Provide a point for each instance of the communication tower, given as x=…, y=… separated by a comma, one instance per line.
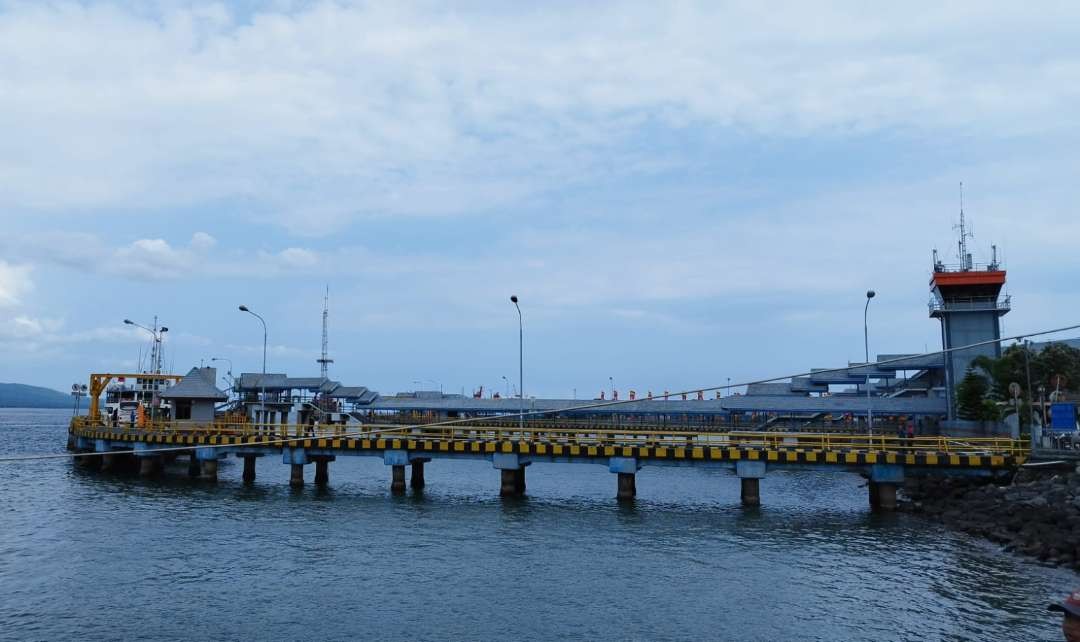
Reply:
x=325, y=359
x=966, y=297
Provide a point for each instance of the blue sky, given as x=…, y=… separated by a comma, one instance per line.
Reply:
x=679, y=194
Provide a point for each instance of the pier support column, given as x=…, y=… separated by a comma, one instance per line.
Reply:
x=397, y=478
x=884, y=480
x=193, y=467
x=627, y=486
x=322, y=472
x=296, y=476
x=511, y=473
x=626, y=468
x=149, y=466
x=249, y=469
x=208, y=462
x=508, y=482
x=209, y=469
x=750, y=475
x=109, y=462
x=416, y=479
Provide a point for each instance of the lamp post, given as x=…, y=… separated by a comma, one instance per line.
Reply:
x=521, y=364
x=507, y=386
x=611, y=382
x=866, y=345
x=155, y=357
x=262, y=379
x=158, y=334
x=229, y=372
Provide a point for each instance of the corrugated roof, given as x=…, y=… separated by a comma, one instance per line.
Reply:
x=196, y=384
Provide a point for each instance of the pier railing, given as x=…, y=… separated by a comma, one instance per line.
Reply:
x=836, y=442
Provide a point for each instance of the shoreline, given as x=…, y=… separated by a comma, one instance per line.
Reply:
x=1033, y=513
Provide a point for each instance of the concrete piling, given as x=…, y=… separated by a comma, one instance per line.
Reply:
x=109, y=462
x=149, y=466
x=508, y=482
x=209, y=469
x=397, y=481
x=322, y=472
x=296, y=476
x=750, y=474
x=416, y=479
x=627, y=486
x=884, y=480
x=249, y=469
x=751, y=491
x=883, y=496
x=194, y=469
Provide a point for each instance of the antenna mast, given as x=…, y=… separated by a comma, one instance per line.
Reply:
x=965, y=258
x=325, y=360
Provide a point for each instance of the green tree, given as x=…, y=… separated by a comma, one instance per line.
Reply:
x=970, y=395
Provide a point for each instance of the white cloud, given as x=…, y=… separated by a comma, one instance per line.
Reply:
x=14, y=282
x=334, y=111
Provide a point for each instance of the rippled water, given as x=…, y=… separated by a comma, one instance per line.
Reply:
x=96, y=556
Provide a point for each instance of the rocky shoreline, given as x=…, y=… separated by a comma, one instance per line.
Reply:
x=1034, y=512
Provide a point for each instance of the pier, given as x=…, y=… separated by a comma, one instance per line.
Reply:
x=884, y=460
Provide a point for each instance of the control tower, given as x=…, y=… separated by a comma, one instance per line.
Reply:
x=967, y=299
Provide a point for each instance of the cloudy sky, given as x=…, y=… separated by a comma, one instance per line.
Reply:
x=678, y=192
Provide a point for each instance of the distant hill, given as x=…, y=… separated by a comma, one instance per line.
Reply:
x=18, y=395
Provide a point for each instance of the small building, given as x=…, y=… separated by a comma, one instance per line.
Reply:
x=195, y=396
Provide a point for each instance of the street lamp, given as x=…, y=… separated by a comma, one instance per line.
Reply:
x=158, y=334
x=229, y=372
x=866, y=345
x=611, y=382
x=521, y=364
x=262, y=379
x=507, y=386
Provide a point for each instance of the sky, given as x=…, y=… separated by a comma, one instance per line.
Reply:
x=679, y=193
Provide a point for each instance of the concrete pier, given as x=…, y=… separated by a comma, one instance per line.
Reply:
x=509, y=481
x=249, y=469
x=750, y=474
x=397, y=481
x=416, y=479
x=209, y=469
x=149, y=466
x=884, y=480
x=322, y=472
x=193, y=467
x=626, y=468
x=109, y=462
x=751, y=491
x=296, y=476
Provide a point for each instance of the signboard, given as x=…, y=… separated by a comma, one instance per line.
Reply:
x=1062, y=417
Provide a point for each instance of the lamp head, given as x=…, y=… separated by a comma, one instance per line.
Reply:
x=513, y=299
x=129, y=322
x=164, y=329
x=244, y=308
x=870, y=294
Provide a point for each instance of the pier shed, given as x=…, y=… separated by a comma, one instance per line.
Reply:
x=195, y=396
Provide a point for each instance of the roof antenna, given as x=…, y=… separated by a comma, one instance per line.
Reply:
x=965, y=257
x=325, y=360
